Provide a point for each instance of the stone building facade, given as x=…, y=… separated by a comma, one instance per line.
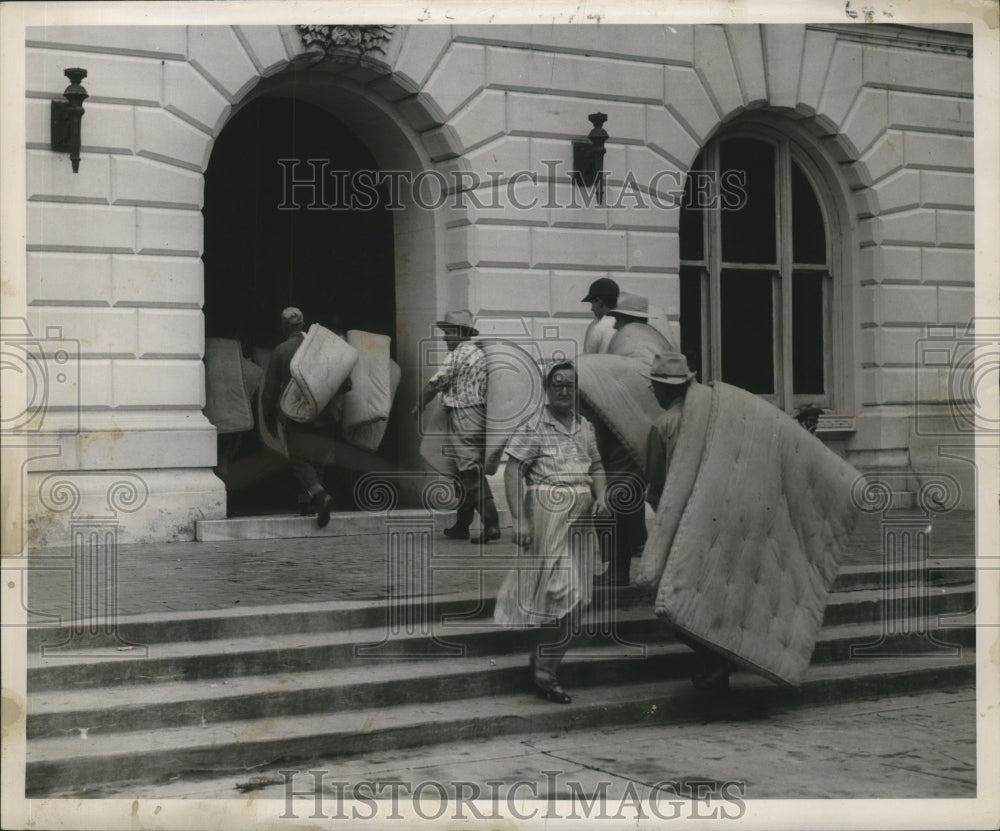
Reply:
x=876, y=120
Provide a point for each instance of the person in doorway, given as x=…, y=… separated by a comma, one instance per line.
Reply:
x=670, y=378
x=553, y=480
x=461, y=382
x=308, y=446
x=602, y=297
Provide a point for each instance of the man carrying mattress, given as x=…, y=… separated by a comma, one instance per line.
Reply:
x=670, y=378
x=633, y=338
x=753, y=514
x=461, y=381
x=301, y=448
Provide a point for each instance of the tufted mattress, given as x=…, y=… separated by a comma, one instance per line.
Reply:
x=370, y=396
x=614, y=388
x=230, y=382
x=640, y=341
x=751, y=526
x=319, y=366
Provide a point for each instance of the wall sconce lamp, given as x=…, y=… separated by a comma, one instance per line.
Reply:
x=67, y=115
x=588, y=157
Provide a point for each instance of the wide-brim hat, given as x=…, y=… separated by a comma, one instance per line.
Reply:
x=458, y=320
x=671, y=368
x=632, y=305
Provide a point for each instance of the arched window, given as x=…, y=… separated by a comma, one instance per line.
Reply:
x=758, y=269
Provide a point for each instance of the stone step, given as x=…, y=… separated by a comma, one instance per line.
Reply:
x=342, y=524
x=242, y=745
x=151, y=629
x=305, y=651
x=378, y=683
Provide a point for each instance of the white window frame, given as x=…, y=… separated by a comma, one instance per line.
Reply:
x=835, y=305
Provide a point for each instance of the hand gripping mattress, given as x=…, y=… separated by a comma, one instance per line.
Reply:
x=319, y=366
x=616, y=391
x=747, y=539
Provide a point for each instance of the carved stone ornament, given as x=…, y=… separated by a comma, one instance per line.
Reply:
x=364, y=39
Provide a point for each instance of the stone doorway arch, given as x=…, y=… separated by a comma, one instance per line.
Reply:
x=391, y=132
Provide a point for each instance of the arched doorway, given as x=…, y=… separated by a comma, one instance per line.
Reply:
x=271, y=244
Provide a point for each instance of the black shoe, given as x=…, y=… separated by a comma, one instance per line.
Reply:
x=551, y=692
x=457, y=532
x=490, y=535
x=323, y=510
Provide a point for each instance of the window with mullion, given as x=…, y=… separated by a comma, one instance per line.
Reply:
x=755, y=278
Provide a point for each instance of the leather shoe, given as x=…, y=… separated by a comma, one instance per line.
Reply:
x=457, y=532
x=551, y=692
x=323, y=510
x=548, y=690
x=489, y=535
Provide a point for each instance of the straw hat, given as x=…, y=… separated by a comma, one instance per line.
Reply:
x=671, y=368
x=458, y=320
x=632, y=305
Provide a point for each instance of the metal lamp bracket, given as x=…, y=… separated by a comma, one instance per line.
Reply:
x=588, y=157
x=66, y=116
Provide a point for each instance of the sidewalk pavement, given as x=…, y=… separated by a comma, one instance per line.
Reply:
x=912, y=746
x=203, y=576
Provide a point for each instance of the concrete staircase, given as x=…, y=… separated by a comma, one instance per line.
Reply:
x=235, y=691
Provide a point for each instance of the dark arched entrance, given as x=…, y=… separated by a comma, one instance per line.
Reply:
x=267, y=247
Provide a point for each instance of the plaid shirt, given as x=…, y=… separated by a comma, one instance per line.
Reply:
x=462, y=377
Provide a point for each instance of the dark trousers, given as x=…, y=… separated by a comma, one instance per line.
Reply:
x=309, y=452
x=626, y=499
x=475, y=494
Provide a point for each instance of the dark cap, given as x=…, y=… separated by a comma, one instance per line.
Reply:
x=603, y=289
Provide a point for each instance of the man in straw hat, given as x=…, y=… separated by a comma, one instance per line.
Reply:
x=670, y=378
x=634, y=336
x=461, y=381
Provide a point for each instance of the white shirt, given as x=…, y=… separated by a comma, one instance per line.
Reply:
x=599, y=334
